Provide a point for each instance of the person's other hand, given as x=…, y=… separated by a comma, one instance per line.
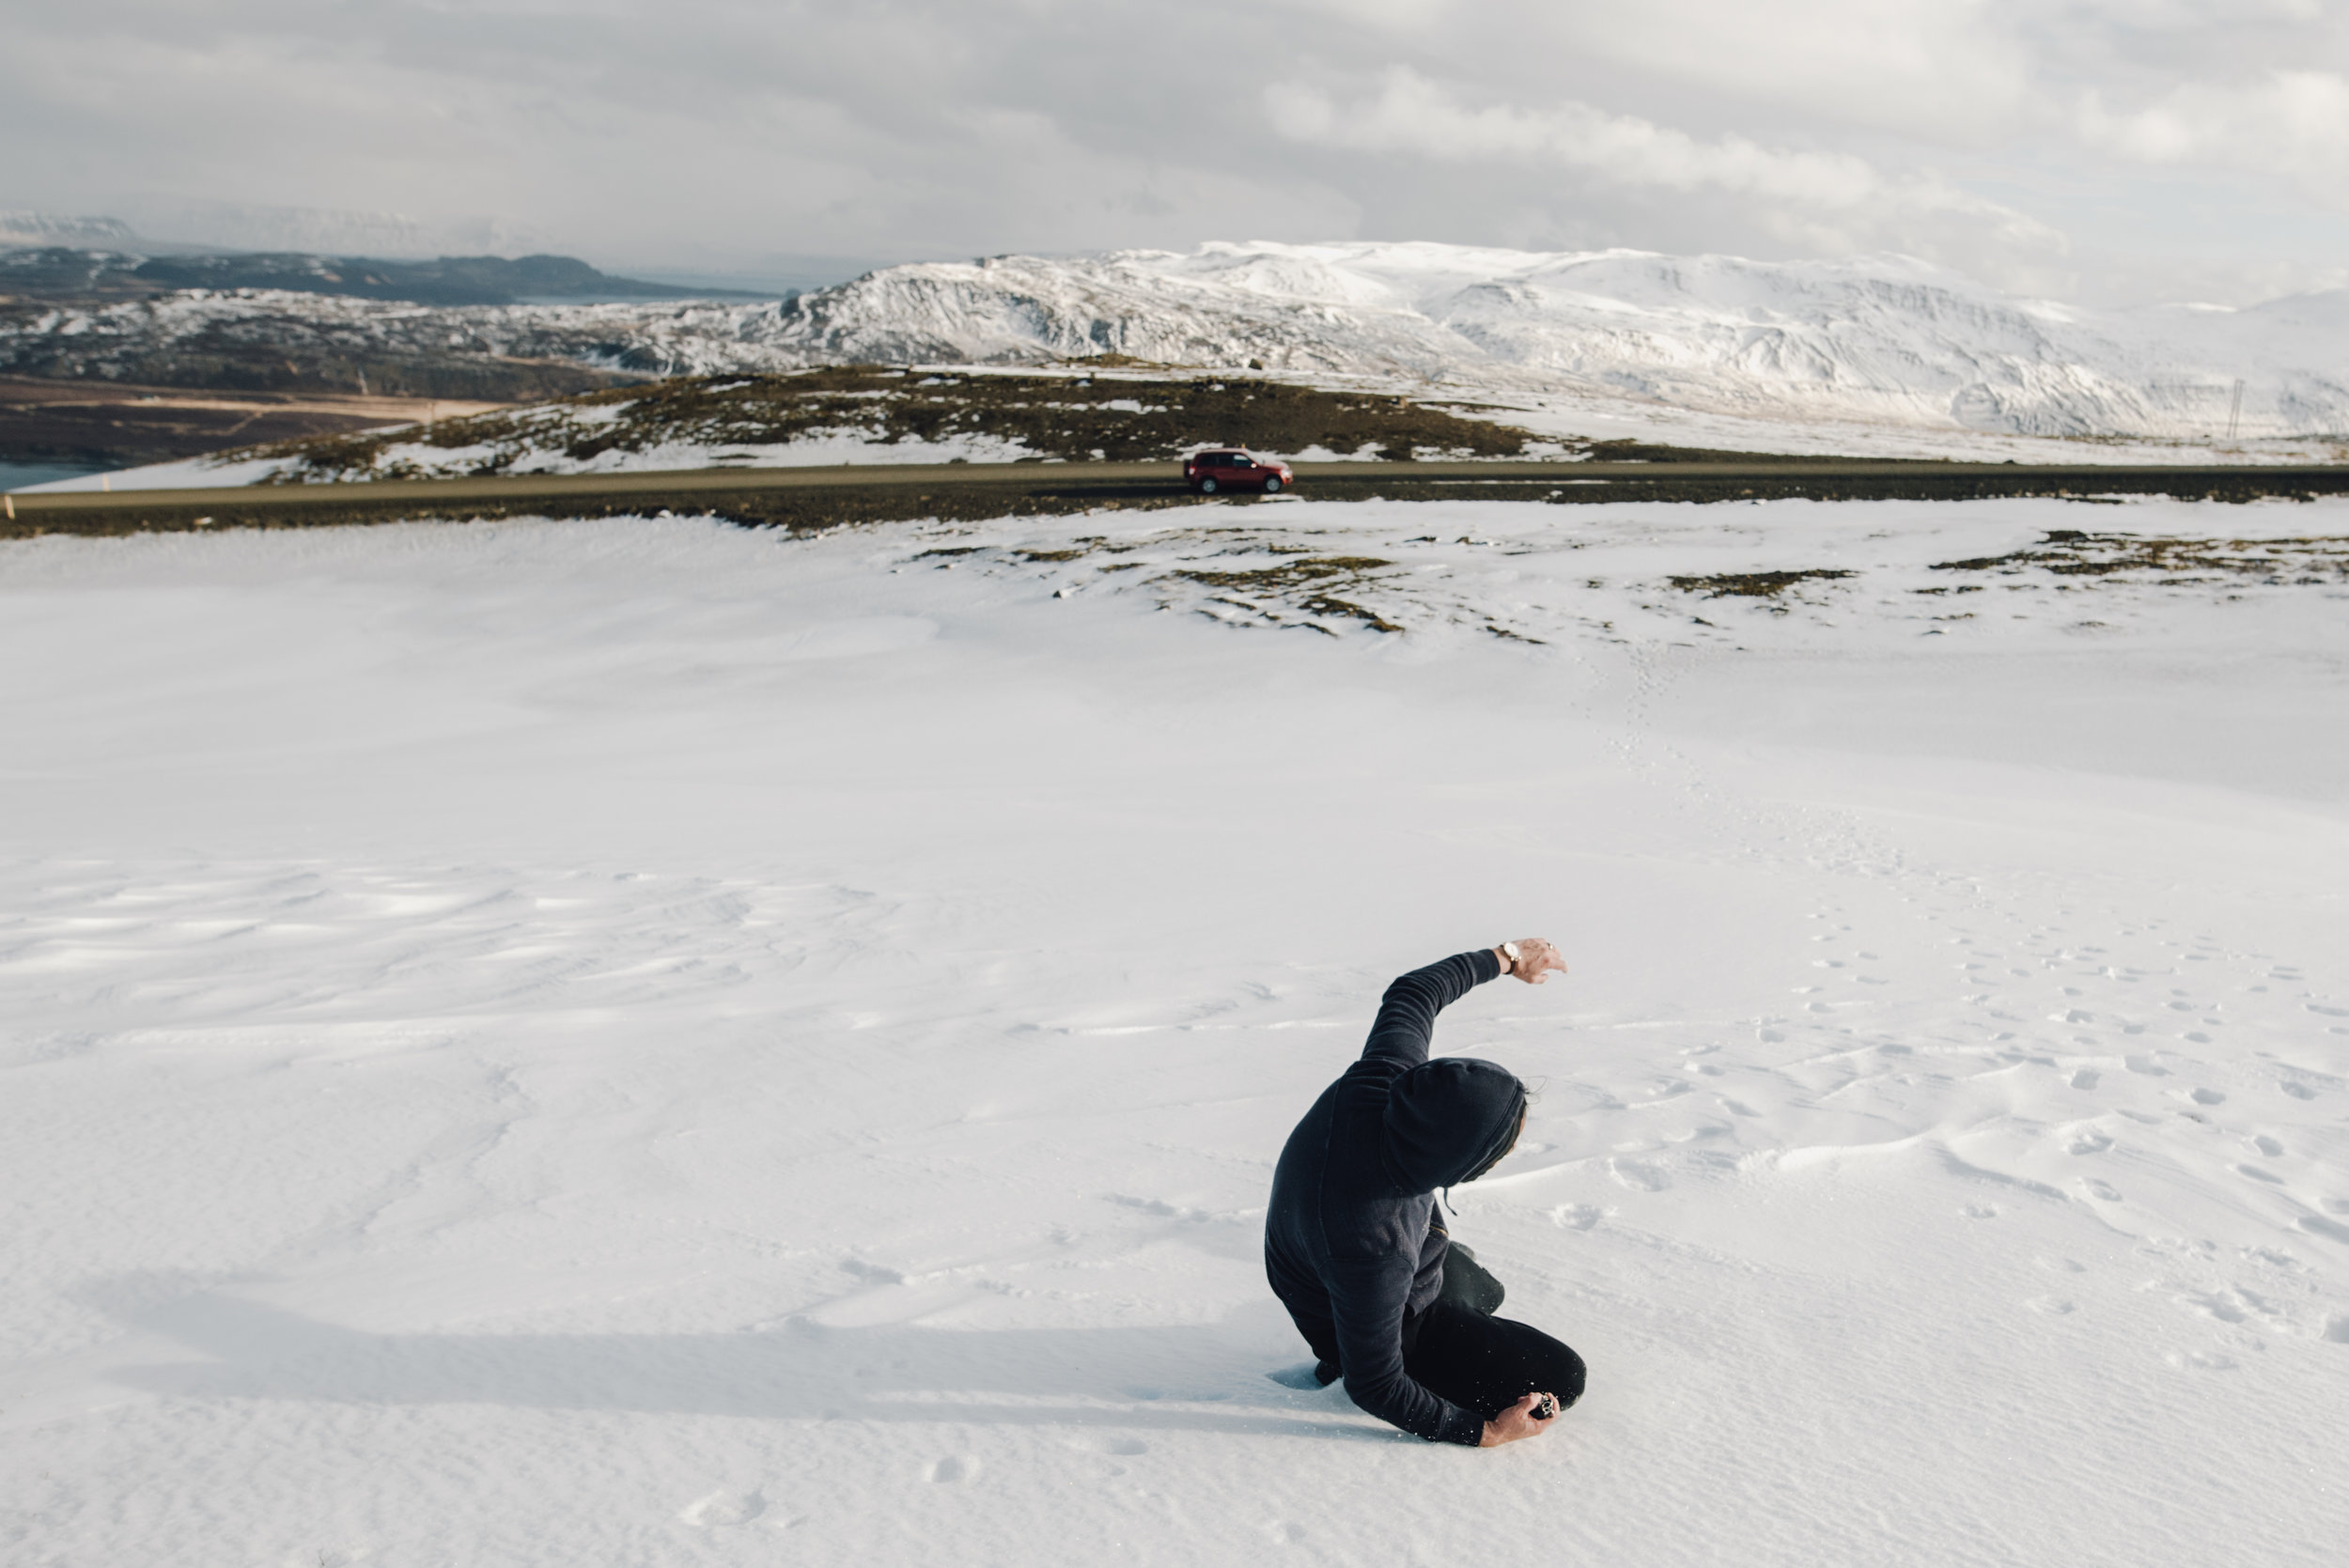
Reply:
x=1535, y=959
x=1517, y=1422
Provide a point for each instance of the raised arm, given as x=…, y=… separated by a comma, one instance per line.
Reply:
x=1407, y=1014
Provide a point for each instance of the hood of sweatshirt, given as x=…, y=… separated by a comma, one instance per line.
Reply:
x=1447, y=1118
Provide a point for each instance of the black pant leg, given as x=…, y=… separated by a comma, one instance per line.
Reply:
x=1488, y=1363
x=1470, y=1283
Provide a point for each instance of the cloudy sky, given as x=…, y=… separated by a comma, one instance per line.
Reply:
x=2101, y=150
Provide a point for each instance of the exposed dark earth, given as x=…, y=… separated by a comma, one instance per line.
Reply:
x=109, y=425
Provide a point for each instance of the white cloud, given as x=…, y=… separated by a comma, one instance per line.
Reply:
x=2179, y=133
x=1411, y=114
x=1838, y=201
x=1946, y=68
x=2296, y=122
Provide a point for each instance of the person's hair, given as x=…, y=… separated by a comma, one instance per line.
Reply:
x=1524, y=1104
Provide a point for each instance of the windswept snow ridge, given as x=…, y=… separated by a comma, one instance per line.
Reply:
x=1886, y=341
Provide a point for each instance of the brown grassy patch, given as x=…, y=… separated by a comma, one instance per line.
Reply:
x=1072, y=418
x=1315, y=575
x=1751, y=584
x=1288, y=574
x=2074, y=552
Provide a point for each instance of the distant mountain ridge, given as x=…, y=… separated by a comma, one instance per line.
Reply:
x=448, y=280
x=1885, y=341
x=1879, y=340
x=59, y=228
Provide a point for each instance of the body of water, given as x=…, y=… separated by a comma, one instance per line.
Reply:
x=15, y=476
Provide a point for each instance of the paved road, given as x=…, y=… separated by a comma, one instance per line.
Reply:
x=893, y=487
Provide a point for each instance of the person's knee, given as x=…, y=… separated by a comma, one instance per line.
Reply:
x=1568, y=1377
x=1469, y=1285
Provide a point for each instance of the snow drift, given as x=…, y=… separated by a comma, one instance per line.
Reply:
x=642, y=1042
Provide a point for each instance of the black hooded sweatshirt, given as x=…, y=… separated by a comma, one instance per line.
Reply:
x=1352, y=1244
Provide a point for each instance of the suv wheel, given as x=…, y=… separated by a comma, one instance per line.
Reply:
x=1272, y=484
x=1208, y=487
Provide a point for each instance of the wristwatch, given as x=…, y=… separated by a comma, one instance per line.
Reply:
x=1509, y=954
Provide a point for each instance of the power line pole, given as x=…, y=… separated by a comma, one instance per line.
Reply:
x=2235, y=410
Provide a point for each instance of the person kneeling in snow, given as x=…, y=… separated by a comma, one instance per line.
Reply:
x=1357, y=1250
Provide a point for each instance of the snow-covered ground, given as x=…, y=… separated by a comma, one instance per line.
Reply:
x=421, y=460
x=640, y=1042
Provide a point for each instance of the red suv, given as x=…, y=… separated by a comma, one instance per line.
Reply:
x=1231, y=468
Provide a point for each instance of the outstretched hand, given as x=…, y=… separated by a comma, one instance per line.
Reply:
x=1519, y=1419
x=1535, y=959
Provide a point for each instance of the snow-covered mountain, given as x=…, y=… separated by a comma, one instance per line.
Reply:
x=1883, y=341
x=18, y=227
x=1888, y=340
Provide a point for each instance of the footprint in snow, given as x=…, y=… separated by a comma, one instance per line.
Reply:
x=2217, y=1307
x=1643, y=1178
x=2103, y=1189
x=2054, y=1306
x=2086, y=1077
x=723, y=1507
x=953, y=1471
x=2088, y=1143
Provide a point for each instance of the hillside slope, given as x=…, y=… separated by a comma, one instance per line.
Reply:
x=1886, y=341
